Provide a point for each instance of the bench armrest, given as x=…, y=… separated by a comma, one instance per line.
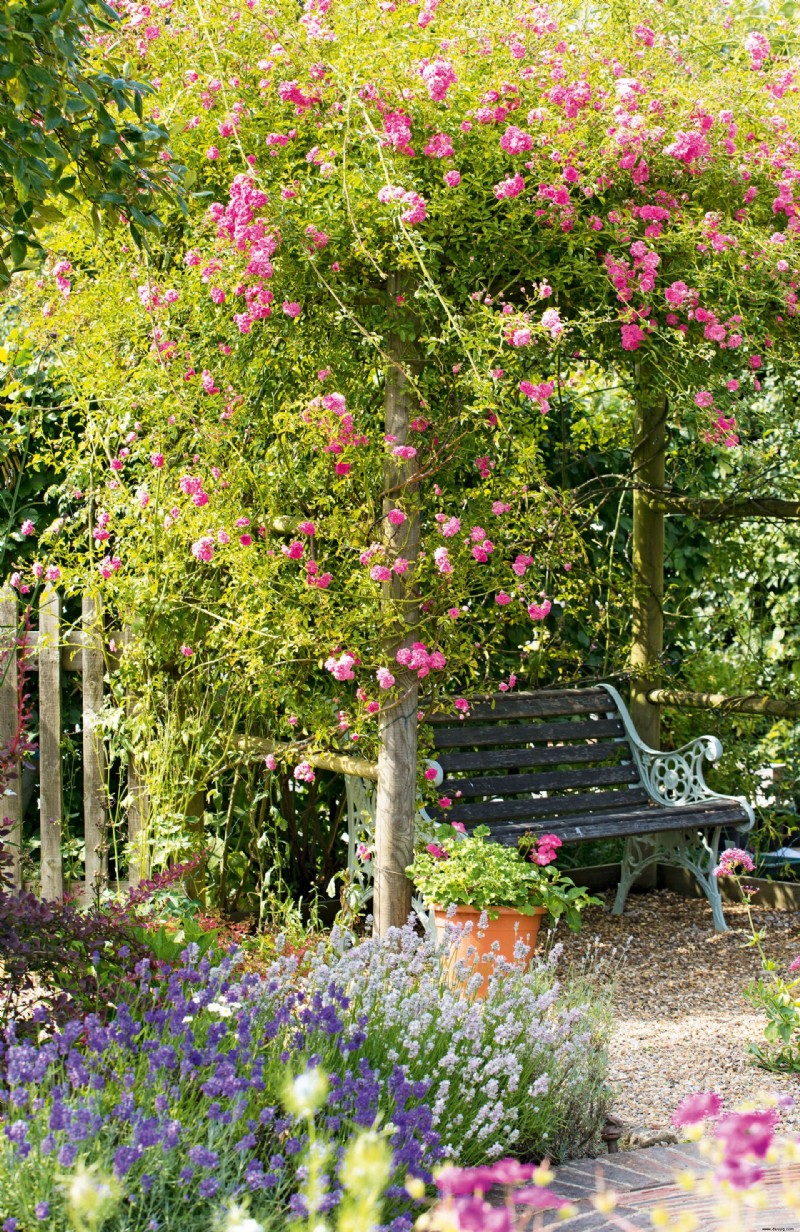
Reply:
x=674, y=778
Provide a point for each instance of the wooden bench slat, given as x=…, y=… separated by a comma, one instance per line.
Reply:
x=550, y=755
x=500, y=734
x=514, y=784
x=534, y=705
x=620, y=825
x=554, y=808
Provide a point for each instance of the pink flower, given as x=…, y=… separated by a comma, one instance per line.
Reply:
x=396, y=517
x=342, y=668
x=157, y=460
x=442, y=559
x=794, y=965
x=696, y=1108
x=430, y=775
x=450, y=527
x=295, y=549
x=759, y=47
x=459, y=826
x=688, y=147
x=676, y=294
x=703, y=398
x=343, y=468
x=307, y=528
x=438, y=76
x=27, y=527
x=538, y=611
x=755, y=362
x=462, y=705
x=203, y=549
x=632, y=337
x=732, y=859
x=452, y=178
x=509, y=188
x=186, y=651
x=453, y=613
x=291, y=308
x=502, y=598
x=439, y=146
x=303, y=772
x=436, y=851
x=245, y=540
x=405, y=452
x=270, y=762
x=516, y=141
x=52, y=573
x=363, y=852
x=552, y=321
x=212, y=153
x=380, y=573
x=384, y=678
x=417, y=210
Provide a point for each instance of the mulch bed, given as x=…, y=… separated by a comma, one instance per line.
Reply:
x=681, y=1021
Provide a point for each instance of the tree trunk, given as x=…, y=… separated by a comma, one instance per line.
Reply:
x=397, y=755
x=647, y=617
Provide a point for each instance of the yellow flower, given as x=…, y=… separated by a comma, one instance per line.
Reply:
x=605, y=1201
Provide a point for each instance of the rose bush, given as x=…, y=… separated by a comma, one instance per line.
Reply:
x=496, y=209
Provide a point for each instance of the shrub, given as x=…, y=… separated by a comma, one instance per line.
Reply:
x=58, y=962
x=178, y=1097
x=521, y=1072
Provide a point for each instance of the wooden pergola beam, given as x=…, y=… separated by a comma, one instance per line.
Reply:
x=707, y=509
x=752, y=704
x=254, y=747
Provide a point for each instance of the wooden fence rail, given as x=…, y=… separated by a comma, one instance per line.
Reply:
x=49, y=651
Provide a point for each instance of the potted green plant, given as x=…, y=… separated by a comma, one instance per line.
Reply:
x=463, y=876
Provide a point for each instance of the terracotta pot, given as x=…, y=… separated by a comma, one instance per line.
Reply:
x=474, y=948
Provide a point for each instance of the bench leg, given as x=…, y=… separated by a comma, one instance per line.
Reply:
x=638, y=854
x=698, y=852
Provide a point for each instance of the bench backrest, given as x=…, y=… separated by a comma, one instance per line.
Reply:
x=519, y=762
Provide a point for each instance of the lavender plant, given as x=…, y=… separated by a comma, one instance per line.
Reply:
x=521, y=1072
x=178, y=1097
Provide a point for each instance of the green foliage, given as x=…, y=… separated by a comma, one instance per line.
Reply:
x=779, y=1000
x=470, y=871
x=167, y=943
x=66, y=135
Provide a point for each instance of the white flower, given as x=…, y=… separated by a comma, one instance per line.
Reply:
x=238, y=1220
x=307, y=1093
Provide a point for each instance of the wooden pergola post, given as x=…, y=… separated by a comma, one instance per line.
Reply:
x=647, y=617
x=397, y=755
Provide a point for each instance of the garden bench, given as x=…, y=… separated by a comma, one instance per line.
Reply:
x=569, y=762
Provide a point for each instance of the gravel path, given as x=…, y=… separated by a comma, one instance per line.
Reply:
x=681, y=1023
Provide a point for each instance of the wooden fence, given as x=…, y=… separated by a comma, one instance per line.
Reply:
x=49, y=651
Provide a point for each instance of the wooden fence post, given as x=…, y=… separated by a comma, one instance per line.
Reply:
x=11, y=801
x=50, y=792
x=95, y=811
x=138, y=863
x=396, y=804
